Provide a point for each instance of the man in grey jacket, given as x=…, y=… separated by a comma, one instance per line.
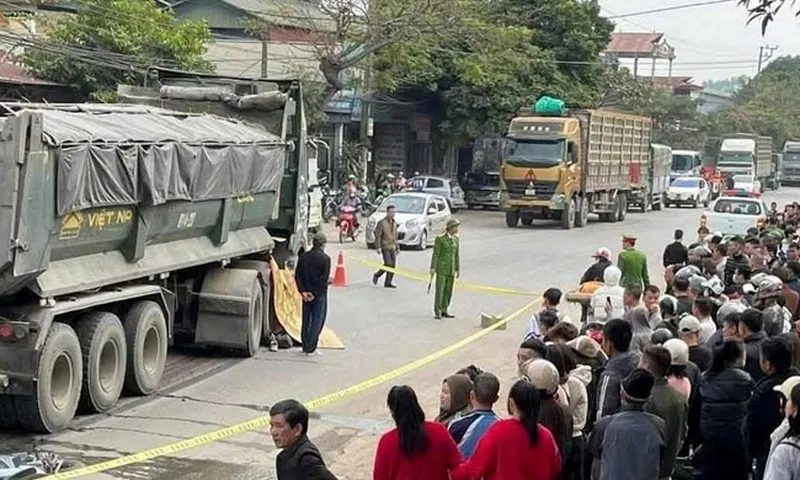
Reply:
x=617, y=336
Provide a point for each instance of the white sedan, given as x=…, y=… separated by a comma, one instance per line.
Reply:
x=687, y=191
x=734, y=215
x=420, y=218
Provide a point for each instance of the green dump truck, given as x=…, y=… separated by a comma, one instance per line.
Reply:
x=131, y=227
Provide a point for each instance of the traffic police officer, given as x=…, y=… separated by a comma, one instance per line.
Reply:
x=633, y=265
x=445, y=264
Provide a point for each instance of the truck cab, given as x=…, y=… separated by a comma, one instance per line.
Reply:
x=790, y=172
x=685, y=163
x=540, y=172
x=737, y=156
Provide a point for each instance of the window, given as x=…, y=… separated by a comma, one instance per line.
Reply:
x=434, y=183
x=738, y=207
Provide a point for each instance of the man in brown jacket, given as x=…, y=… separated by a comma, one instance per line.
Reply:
x=386, y=242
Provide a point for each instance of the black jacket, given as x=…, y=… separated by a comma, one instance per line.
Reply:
x=596, y=271
x=724, y=396
x=675, y=254
x=302, y=461
x=765, y=414
x=313, y=270
x=752, y=346
x=608, y=388
x=732, y=264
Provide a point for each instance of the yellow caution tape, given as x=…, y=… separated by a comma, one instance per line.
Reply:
x=402, y=272
x=315, y=404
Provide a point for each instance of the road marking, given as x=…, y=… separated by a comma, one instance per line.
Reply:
x=315, y=404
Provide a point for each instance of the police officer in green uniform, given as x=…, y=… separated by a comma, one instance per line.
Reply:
x=445, y=264
x=633, y=265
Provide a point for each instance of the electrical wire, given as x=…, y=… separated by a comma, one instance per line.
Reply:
x=671, y=8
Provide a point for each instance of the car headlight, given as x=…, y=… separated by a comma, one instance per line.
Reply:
x=413, y=223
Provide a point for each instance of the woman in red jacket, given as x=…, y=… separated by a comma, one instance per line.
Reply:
x=416, y=449
x=515, y=449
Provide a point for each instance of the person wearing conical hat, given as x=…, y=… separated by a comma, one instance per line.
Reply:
x=633, y=265
x=446, y=265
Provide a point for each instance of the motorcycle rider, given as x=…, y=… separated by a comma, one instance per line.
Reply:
x=352, y=185
x=352, y=200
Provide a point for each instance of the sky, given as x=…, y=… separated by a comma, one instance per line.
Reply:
x=711, y=41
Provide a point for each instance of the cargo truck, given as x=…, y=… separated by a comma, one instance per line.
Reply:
x=685, y=163
x=746, y=154
x=129, y=228
x=657, y=175
x=791, y=163
x=566, y=167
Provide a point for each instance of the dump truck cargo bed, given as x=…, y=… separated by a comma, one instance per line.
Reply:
x=102, y=195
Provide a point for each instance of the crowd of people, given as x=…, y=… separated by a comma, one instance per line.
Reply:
x=696, y=379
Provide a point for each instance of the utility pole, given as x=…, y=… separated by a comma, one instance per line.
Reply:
x=764, y=54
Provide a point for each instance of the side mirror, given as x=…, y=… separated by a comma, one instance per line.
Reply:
x=573, y=157
x=432, y=210
x=323, y=177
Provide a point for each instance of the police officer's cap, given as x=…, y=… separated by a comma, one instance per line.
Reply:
x=452, y=223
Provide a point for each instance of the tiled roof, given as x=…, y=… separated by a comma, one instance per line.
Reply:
x=13, y=73
x=287, y=13
x=634, y=43
x=683, y=83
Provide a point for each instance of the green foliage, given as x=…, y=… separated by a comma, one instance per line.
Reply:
x=350, y=163
x=767, y=105
x=728, y=85
x=497, y=58
x=109, y=42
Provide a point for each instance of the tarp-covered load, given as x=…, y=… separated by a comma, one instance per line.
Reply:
x=108, y=158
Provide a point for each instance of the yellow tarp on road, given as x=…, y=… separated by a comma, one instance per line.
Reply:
x=289, y=308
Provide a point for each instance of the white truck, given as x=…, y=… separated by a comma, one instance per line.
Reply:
x=746, y=154
x=790, y=172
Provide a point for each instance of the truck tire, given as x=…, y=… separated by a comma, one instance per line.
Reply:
x=658, y=204
x=568, y=215
x=623, y=207
x=512, y=218
x=582, y=216
x=256, y=322
x=265, y=272
x=146, y=341
x=104, y=351
x=613, y=216
x=58, y=388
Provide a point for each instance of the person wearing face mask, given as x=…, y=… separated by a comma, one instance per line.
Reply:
x=784, y=461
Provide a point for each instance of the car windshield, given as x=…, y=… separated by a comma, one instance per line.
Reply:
x=682, y=163
x=792, y=157
x=737, y=207
x=538, y=153
x=685, y=182
x=404, y=204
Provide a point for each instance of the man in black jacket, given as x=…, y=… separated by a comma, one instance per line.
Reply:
x=676, y=252
x=764, y=412
x=299, y=459
x=313, y=270
x=736, y=259
x=595, y=273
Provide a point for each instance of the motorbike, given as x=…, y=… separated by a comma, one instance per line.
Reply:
x=330, y=204
x=347, y=223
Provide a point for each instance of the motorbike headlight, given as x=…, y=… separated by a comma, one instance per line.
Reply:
x=413, y=223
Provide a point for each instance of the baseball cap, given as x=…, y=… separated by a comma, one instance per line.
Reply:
x=787, y=386
x=689, y=324
x=678, y=351
x=602, y=252
x=544, y=375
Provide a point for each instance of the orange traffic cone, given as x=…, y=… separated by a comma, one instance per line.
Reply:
x=340, y=275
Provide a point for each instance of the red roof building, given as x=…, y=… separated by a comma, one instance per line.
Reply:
x=637, y=46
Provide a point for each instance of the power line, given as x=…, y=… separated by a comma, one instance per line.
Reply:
x=671, y=8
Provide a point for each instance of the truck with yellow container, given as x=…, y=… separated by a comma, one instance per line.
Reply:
x=566, y=165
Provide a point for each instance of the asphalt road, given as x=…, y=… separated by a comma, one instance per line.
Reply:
x=382, y=329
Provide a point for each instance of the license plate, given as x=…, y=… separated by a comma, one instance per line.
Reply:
x=530, y=191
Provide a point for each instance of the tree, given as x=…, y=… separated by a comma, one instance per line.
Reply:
x=109, y=42
x=348, y=32
x=767, y=105
x=765, y=10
